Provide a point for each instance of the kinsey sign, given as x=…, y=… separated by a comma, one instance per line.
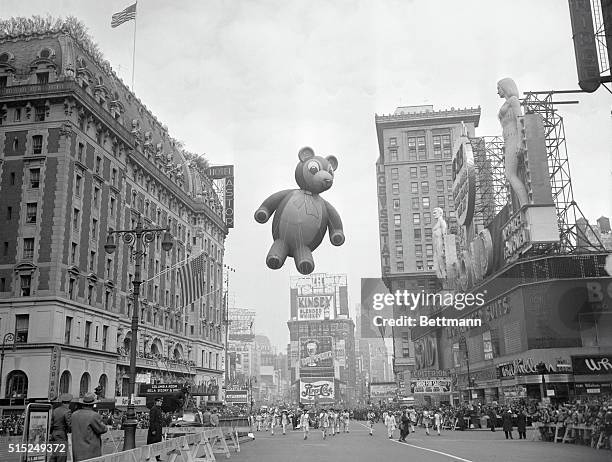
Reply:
x=314, y=307
x=592, y=364
x=316, y=390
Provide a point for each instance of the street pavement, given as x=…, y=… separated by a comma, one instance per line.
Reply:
x=461, y=446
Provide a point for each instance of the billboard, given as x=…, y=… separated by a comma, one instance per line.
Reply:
x=383, y=390
x=317, y=391
x=161, y=389
x=226, y=173
x=430, y=386
x=237, y=396
x=314, y=307
x=316, y=352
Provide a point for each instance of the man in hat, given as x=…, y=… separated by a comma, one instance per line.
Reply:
x=87, y=426
x=60, y=427
x=156, y=423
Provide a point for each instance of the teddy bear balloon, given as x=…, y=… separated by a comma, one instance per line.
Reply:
x=302, y=216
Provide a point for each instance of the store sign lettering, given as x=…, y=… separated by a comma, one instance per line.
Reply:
x=592, y=364
x=312, y=390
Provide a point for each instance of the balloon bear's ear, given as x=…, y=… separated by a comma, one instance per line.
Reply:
x=305, y=154
x=333, y=162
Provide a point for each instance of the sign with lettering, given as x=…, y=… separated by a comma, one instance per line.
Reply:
x=229, y=202
x=430, y=386
x=220, y=171
x=161, y=389
x=383, y=219
x=592, y=364
x=314, y=307
x=237, y=396
x=125, y=400
x=54, y=370
x=593, y=388
x=317, y=390
x=383, y=390
x=464, y=182
x=426, y=374
x=316, y=352
x=529, y=366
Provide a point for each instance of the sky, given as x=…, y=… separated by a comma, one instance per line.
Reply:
x=249, y=83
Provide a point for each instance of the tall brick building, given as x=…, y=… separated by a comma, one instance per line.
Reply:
x=79, y=155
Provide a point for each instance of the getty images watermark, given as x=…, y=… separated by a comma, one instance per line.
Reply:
x=381, y=309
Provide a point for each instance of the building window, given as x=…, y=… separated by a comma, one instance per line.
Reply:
x=417, y=234
x=42, y=77
x=2, y=284
x=437, y=147
x=398, y=235
x=68, y=330
x=34, y=178
x=439, y=170
x=399, y=250
x=393, y=153
x=112, y=207
x=430, y=265
x=73, y=253
x=418, y=250
x=90, y=294
x=92, y=260
x=17, y=115
x=84, y=384
x=429, y=249
x=416, y=218
x=440, y=201
x=415, y=203
x=396, y=204
x=3, y=81
x=449, y=169
x=64, y=383
x=104, y=337
x=22, y=325
x=87, y=333
x=393, y=141
x=419, y=265
x=6, y=248
x=71, y=288
x=428, y=233
x=25, y=282
x=17, y=385
x=414, y=188
x=98, y=164
x=75, y=219
x=449, y=184
x=440, y=185
x=397, y=219
x=400, y=266
x=31, y=212
x=37, y=142
x=425, y=201
x=395, y=174
x=39, y=113
x=425, y=187
x=406, y=344
x=80, y=151
x=114, y=177
x=94, y=229
x=414, y=172
x=28, y=248
x=395, y=188
x=78, y=181
x=96, y=196
x=424, y=171
x=427, y=218
x=109, y=268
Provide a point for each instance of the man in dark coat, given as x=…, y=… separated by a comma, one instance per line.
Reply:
x=404, y=426
x=521, y=424
x=507, y=423
x=87, y=426
x=156, y=422
x=492, y=419
x=60, y=427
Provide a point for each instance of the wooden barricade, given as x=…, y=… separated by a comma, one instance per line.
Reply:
x=217, y=441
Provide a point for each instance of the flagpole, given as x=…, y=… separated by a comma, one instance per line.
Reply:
x=134, y=48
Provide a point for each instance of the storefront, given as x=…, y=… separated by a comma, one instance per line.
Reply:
x=592, y=375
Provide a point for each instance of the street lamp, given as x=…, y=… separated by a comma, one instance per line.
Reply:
x=143, y=237
x=10, y=337
x=467, y=362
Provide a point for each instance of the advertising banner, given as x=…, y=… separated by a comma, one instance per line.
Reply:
x=161, y=389
x=430, y=386
x=426, y=352
x=314, y=307
x=36, y=432
x=341, y=353
x=237, y=396
x=592, y=364
x=383, y=390
x=56, y=356
x=316, y=352
x=125, y=400
x=317, y=391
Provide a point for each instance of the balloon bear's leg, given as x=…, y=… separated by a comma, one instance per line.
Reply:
x=303, y=260
x=277, y=254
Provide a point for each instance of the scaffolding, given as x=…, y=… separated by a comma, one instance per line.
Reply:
x=494, y=189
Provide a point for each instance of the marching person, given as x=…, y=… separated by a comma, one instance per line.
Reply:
x=346, y=417
x=87, y=428
x=371, y=417
x=284, y=422
x=413, y=419
x=438, y=421
x=404, y=426
x=389, y=420
x=324, y=422
x=305, y=423
x=60, y=427
x=258, y=419
x=426, y=420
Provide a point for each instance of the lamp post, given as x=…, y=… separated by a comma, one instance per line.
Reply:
x=10, y=337
x=541, y=368
x=143, y=237
x=467, y=362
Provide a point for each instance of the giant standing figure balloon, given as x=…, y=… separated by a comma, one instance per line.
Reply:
x=302, y=216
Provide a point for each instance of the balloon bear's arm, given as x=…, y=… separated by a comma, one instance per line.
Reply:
x=334, y=224
x=269, y=206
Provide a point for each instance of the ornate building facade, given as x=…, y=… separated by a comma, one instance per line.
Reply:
x=79, y=155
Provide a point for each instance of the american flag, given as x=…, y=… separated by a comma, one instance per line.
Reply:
x=126, y=15
x=192, y=279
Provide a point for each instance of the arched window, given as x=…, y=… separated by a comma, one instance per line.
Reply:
x=17, y=385
x=103, y=383
x=65, y=380
x=84, y=385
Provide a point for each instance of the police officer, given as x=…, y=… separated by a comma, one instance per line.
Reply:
x=60, y=427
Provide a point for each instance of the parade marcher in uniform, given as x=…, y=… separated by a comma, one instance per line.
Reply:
x=507, y=423
x=305, y=423
x=389, y=420
x=324, y=423
x=426, y=420
x=258, y=419
x=87, y=426
x=413, y=419
x=404, y=426
x=346, y=418
x=438, y=421
x=60, y=427
x=371, y=417
x=284, y=421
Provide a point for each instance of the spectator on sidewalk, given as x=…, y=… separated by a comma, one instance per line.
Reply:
x=87, y=428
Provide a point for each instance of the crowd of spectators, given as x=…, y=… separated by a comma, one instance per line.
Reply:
x=12, y=425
